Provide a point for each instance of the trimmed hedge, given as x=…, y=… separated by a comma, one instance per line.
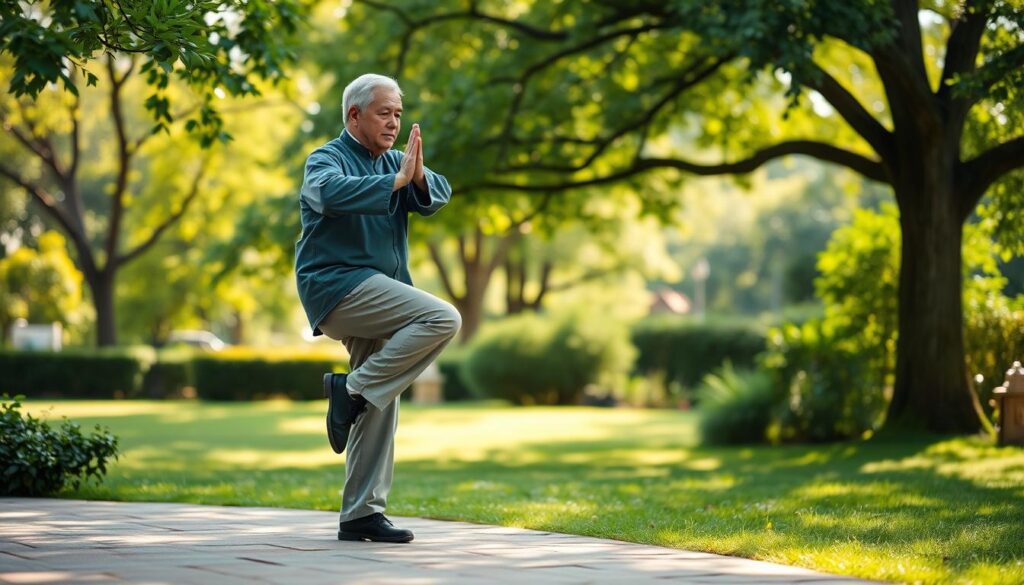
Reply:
x=236, y=374
x=167, y=377
x=686, y=350
x=72, y=373
x=249, y=378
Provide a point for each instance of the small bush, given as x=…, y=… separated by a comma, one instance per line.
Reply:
x=686, y=350
x=450, y=364
x=830, y=386
x=249, y=375
x=37, y=460
x=540, y=359
x=993, y=339
x=113, y=373
x=735, y=406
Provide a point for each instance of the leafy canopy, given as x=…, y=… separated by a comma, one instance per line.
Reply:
x=214, y=45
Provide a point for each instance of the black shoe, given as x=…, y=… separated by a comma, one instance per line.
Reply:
x=342, y=410
x=375, y=528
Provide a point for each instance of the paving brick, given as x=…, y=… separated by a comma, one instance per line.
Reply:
x=73, y=541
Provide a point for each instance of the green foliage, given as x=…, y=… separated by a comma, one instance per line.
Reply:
x=213, y=45
x=72, y=373
x=543, y=359
x=37, y=460
x=168, y=376
x=861, y=312
x=735, y=406
x=252, y=375
x=993, y=340
x=235, y=374
x=829, y=389
x=686, y=350
x=451, y=364
x=41, y=285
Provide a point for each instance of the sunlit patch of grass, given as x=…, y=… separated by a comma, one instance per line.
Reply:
x=920, y=509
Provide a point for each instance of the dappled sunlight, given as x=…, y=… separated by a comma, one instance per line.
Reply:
x=450, y=434
x=618, y=473
x=269, y=459
x=866, y=491
x=311, y=425
x=55, y=409
x=967, y=459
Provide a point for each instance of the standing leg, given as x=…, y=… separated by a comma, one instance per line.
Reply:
x=371, y=447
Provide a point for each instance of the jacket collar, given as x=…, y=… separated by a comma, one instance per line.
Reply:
x=354, y=145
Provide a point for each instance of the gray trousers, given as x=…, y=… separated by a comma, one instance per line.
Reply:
x=392, y=332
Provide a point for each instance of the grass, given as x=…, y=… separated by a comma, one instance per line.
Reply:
x=921, y=509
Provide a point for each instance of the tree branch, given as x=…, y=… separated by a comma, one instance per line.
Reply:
x=155, y=235
x=980, y=172
x=76, y=149
x=688, y=78
x=872, y=169
x=909, y=36
x=545, y=285
x=962, y=47
x=124, y=164
x=501, y=252
x=519, y=85
x=442, y=270
x=472, y=14
x=38, y=145
x=853, y=112
x=587, y=276
x=47, y=201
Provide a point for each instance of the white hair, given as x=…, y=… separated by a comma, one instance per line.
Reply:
x=359, y=93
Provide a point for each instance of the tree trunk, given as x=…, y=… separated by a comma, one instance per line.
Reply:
x=471, y=308
x=931, y=385
x=102, y=286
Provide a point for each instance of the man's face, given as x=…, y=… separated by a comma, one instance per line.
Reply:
x=377, y=126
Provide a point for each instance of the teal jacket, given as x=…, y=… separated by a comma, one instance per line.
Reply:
x=353, y=224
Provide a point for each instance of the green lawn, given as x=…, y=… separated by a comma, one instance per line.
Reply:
x=922, y=509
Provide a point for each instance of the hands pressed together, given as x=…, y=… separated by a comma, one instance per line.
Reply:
x=411, y=170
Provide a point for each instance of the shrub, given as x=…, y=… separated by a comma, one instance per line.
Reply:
x=993, y=339
x=686, y=350
x=540, y=359
x=247, y=375
x=451, y=364
x=735, y=406
x=113, y=373
x=37, y=460
x=830, y=388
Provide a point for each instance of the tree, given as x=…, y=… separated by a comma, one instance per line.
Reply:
x=923, y=97
x=208, y=46
x=40, y=285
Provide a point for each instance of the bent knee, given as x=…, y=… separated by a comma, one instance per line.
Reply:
x=453, y=319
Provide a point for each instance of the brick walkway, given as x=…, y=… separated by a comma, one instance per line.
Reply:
x=73, y=541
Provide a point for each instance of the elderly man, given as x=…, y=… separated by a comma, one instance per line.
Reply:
x=351, y=266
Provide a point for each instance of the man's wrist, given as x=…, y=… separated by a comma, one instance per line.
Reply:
x=421, y=182
x=400, y=181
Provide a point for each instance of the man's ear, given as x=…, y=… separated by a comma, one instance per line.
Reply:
x=353, y=114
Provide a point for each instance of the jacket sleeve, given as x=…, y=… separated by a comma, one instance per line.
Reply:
x=428, y=202
x=331, y=192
